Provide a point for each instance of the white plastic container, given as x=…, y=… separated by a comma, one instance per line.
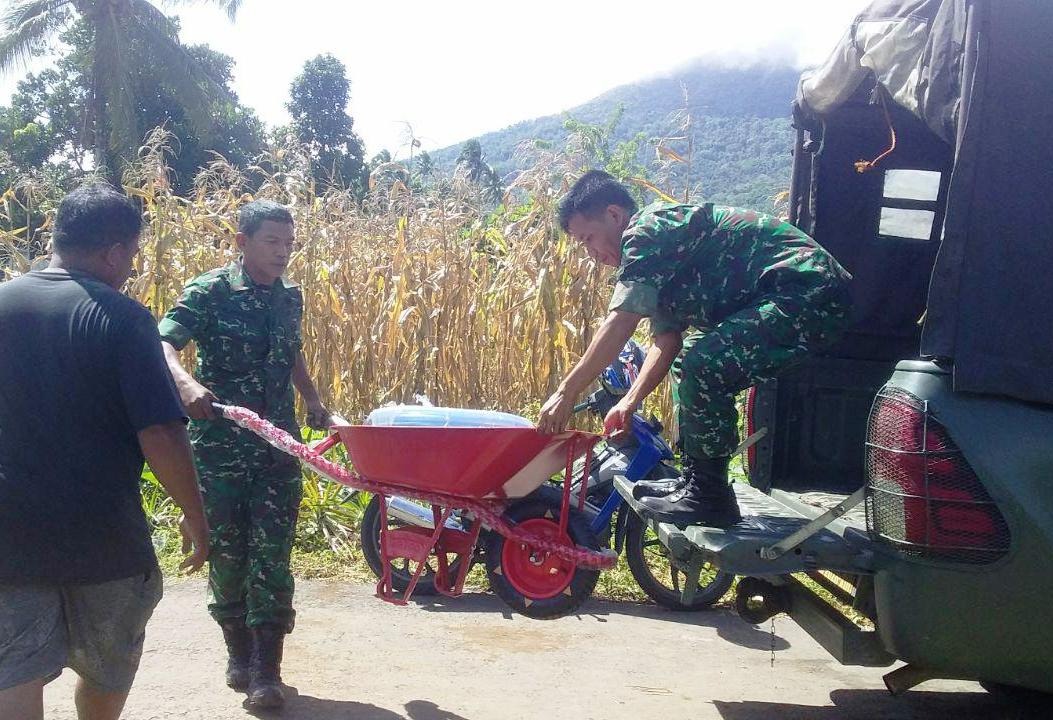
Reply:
x=424, y=416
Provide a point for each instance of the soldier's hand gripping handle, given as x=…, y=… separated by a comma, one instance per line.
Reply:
x=319, y=417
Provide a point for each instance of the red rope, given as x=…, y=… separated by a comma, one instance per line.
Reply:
x=488, y=511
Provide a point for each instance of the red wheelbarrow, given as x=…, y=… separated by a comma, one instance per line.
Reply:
x=541, y=557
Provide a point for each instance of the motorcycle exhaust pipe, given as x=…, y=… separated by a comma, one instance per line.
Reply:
x=413, y=514
x=410, y=512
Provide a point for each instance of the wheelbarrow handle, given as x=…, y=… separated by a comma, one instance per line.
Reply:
x=321, y=448
x=328, y=444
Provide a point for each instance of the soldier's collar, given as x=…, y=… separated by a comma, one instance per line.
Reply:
x=241, y=280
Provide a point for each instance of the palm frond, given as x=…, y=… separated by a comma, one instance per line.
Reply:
x=230, y=7
x=147, y=16
x=24, y=26
x=197, y=90
x=113, y=84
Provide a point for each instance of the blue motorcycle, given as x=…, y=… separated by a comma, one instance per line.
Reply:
x=638, y=454
x=641, y=454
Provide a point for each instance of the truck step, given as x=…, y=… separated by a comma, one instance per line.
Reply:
x=841, y=546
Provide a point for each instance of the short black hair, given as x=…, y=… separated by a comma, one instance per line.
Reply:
x=591, y=194
x=94, y=217
x=257, y=212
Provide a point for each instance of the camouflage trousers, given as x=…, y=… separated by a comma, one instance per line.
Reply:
x=251, y=493
x=750, y=346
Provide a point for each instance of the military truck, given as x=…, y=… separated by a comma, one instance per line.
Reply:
x=900, y=499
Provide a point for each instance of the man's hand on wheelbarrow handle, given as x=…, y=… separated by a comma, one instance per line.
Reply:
x=618, y=420
x=197, y=400
x=319, y=417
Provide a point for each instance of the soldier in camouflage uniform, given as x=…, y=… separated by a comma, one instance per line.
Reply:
x=244, y=319
x=757, y=294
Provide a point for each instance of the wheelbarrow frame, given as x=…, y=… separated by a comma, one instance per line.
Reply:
x=417, y=545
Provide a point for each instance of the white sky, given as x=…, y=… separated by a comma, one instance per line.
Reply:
x=457, y=68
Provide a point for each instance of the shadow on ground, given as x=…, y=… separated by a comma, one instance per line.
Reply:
x=727, y=624
x=307, y=707
x=874, y=704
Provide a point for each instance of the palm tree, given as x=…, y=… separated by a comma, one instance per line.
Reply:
x=471, y=165
x=27, y=26
x=470, y=161
x=425, y=165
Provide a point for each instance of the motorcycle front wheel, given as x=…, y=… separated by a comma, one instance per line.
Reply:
x=661, y=579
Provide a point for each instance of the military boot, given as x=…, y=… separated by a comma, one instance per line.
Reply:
x=657, y=488
x=239, y=652
x=265, y=682
x=705, y=499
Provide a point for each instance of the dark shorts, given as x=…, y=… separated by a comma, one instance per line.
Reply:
x=96, y=630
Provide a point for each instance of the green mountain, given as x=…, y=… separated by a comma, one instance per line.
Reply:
x=741, y=130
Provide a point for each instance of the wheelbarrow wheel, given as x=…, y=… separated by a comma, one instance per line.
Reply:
x=538, y=584
x=660, y=578
x=401, y=571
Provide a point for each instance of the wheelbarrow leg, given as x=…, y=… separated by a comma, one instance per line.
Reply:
x=462, y=544
x=412, y=547
x=442, y=569
x=385, y=589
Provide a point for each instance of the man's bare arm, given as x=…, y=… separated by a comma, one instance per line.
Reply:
x=616, y=329
x=167, y=451
x=196, y=398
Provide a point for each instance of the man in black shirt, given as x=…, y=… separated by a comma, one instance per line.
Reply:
x=85, y=396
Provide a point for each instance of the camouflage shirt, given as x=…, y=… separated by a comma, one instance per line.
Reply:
x=694, y=265
x=247, y=337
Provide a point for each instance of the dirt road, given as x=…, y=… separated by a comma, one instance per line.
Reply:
x=353, y=656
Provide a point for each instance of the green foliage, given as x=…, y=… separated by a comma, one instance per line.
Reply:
x=161, y=512
x=381, y=158
x=330, y=513
x=599, y=147
x=234, y=131
x=318, y=102
x=125, y=68
x=425, y=165
x=473, y=167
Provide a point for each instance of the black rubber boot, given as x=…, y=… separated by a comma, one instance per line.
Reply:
x=705, y=499
x=265, y=682
x=657, y=488
x=239, y=652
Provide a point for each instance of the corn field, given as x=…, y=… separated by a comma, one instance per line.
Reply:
x=423, y=291
x=411, y=292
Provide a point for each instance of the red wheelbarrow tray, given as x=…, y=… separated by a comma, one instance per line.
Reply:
x=476, y=463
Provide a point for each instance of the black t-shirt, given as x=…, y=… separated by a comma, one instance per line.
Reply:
x=81, y=372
